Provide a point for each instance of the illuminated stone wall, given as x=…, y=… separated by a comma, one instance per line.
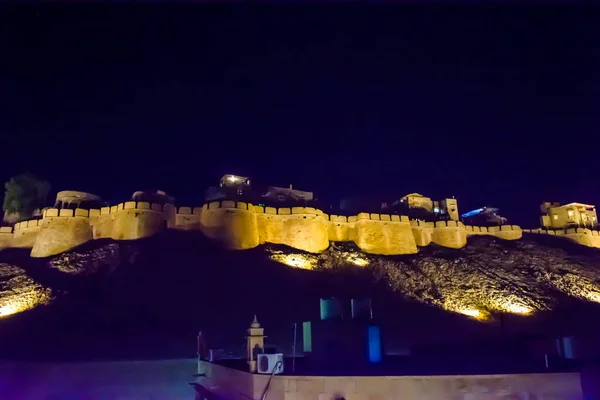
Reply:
x=303, y=228
x=583, y=236
x=25, y=233
x=506, y=232
x=61, y=230
x=233, y=224
x=187, y=219
x=382, y=234
x=137, y=220
x=449, y=234
x=422, y=232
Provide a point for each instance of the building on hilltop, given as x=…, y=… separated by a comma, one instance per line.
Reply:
x=569, y=215
x=157, y=196
x=421, y=207
x=230, y=187
x=72, y=199
x=288, y=195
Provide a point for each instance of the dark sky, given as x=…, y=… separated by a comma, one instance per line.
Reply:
x=496, y=105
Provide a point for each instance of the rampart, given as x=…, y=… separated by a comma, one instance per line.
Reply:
x=583, y=236
x=61, y=230
x=241, y=225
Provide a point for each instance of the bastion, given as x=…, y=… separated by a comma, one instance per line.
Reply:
x=241, y=225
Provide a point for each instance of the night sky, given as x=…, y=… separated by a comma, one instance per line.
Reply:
x=497, y=105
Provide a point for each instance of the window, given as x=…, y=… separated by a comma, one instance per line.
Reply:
x=555, y=216
x=570, y=213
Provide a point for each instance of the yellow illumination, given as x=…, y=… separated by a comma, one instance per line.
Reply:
x=515, y=308
x=295, y=260
x=592, y=296
x=471, y=312
x=9, y=309
x=25, y=301
x=358, y=261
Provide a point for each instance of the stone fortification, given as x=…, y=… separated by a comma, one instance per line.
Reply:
x=241, y=225
x=583, y=236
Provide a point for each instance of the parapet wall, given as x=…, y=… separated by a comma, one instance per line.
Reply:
x=583, y=236
x=241, y=225
x=61, y=230
x=507, y=232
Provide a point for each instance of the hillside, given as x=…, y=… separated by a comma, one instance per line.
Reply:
x=148, y=298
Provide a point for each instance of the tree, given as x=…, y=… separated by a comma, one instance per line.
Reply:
x=25, y=193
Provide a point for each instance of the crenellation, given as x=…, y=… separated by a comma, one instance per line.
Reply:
x=79, y=212
x=362, y=216
x=270, y=210
x=65, y=212
x=243, y=225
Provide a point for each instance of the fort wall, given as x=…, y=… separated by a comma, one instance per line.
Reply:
x=186, y=218
x=422, y=232
x=382, y=234
x=132, y=222
x=6, y=237
x=450, y=234
x=61, y=230
x=583, y=236
x=338, y=228
x=25, y=233
x=232, y=223
x=241, y=225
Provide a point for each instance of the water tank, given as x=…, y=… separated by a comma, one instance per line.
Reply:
x=331, y=309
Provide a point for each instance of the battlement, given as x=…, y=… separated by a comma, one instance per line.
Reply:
x=32, y=223
x=584, y=236
x=242, y=225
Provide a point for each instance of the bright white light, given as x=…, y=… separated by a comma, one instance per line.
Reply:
x=9, y=309
x=231, y=178
x=470, y=312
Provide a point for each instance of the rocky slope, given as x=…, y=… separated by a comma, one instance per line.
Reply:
x=154, y=295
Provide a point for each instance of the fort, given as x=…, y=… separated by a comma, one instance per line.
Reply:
x=239, y=225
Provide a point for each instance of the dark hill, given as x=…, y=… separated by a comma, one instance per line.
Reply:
x=149, y=298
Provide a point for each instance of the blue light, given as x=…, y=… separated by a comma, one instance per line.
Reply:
x=374, y=334
x=471, y=213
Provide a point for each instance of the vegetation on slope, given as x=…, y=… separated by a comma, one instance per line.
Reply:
x=152, y=296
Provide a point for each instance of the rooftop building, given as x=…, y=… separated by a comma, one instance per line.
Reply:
x=569, y=215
